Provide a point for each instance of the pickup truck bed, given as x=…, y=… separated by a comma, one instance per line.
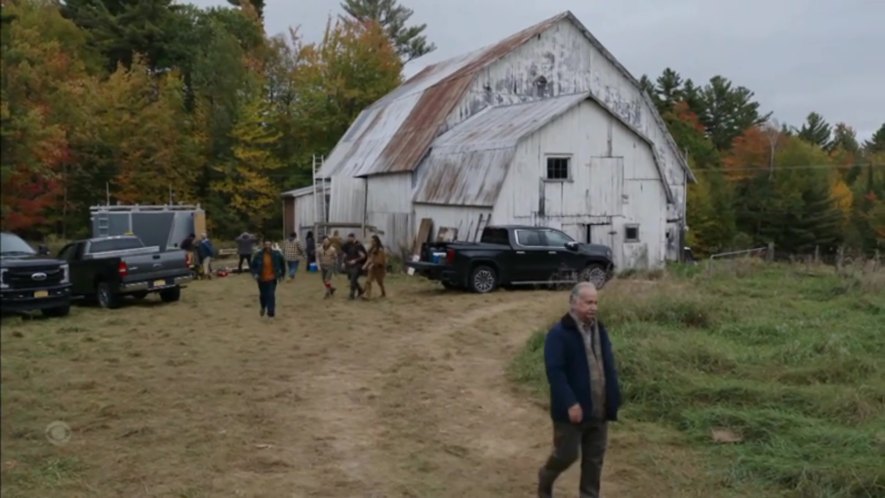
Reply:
x=109, y=268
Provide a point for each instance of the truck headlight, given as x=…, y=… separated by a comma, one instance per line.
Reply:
x=66, y=274
x=3, y=284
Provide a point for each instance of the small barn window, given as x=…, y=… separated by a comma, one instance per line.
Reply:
x=558, y=168
x=542, y=88
x=631, y=233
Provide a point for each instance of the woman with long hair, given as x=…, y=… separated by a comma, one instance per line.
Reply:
x=376, y=266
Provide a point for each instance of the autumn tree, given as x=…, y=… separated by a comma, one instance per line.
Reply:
x=794, y=207
x=247, y=181
x=159, y=161
x=815, y=130
x=751, y=155
x=408, y=40
x=352, y=67
x=42, y=66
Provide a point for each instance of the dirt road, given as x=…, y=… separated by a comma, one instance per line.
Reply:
x=402, y=397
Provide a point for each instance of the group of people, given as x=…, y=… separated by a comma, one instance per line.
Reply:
x=274, y=264
x=199, y=254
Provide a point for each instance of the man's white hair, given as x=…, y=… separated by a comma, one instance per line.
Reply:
x=576, y=290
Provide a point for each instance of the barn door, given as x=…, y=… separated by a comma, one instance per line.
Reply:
x=606, y=186
x=606, y=234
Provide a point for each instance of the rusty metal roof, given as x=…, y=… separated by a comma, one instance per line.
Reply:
x=468, y=164
x=394, y=134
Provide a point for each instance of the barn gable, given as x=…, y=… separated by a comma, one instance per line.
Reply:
x=395, y=134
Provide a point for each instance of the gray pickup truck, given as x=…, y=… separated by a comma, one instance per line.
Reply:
x=108, y=268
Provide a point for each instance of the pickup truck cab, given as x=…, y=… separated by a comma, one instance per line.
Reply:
x=512, y=256
x=109, y=268
x=29, y=281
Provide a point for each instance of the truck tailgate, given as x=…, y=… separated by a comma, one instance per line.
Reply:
x=155, y=267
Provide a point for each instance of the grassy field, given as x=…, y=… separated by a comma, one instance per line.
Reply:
x=785, y=362
x=413, y=396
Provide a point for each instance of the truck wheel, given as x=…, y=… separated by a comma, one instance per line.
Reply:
x=170, y=295
x=595, y=274
x=57, y=312
x=483, y=279
x=106, y=297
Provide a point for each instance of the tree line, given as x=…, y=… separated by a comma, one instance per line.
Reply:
x=152, y=102
x=809, y=188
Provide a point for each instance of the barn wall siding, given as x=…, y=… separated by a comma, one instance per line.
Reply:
x=390, y=208
x=613, y=181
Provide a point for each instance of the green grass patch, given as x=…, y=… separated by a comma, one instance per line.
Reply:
x=788, y=358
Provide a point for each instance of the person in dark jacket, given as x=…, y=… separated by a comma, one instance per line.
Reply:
x=205, y=251
x=584, y=392
x=187, y=245
x=268, y=267
x=310, y=245
x=245, y=247
x=355, y=258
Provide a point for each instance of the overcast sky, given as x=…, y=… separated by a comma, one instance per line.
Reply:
x=798, y=56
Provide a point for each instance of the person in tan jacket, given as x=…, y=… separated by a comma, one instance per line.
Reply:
x=338, y=245
x=376, y=266
x=327, y=259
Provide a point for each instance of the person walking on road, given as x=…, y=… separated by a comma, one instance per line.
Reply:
x=355, y=258
x=294, y=252
x=268, y=268
x=584, y=392
x=376, y=267
x=327, y=260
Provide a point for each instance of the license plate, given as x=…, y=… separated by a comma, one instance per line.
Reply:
x=159, y=283
x=39, y=294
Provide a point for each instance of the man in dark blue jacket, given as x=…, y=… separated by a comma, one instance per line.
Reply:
x=584, y=392
x=268, y=267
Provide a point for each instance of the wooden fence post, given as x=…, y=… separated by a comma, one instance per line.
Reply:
x=770, y=254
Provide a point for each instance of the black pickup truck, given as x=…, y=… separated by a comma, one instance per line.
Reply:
x=29, y=281
x=108, y=268
x=514, y=255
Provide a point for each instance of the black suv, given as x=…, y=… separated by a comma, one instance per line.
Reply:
x=29, y=281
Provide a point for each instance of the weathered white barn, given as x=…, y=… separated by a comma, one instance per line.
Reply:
x=543, y=128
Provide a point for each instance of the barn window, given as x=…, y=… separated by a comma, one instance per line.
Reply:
x=631, y=233
x=558, y=168
x=541, y=86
